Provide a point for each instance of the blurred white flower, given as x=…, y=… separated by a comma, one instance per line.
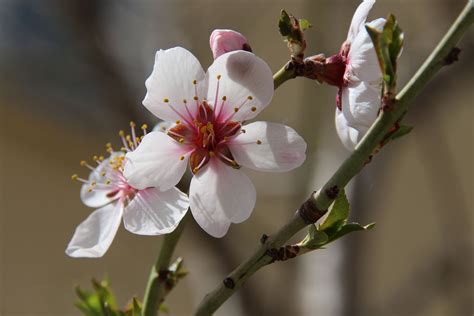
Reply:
x=147, y=211
x=208, y=110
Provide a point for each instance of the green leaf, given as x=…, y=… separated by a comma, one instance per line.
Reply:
x=137, y=307
x=388, y=45
x=284, y=24
x=164, y=309
x=304, y=24
x=337, y=214
x=349, y=228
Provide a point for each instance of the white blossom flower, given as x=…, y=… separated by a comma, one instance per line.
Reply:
x=145, y=211
x=355, y=71
x=360, y=94
x=208, y=135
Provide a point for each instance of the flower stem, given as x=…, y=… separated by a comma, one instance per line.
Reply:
x=155, y=290
x=310, y=211
x=287, y=72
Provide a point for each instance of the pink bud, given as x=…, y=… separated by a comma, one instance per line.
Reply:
x=224, y=41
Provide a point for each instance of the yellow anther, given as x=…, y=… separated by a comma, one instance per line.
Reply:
x=108, y=145
x=132, y=124
x=74, y=177
x=89, y=189
x=250, y=97
x=103, y=173
x=93, y=183
x=101, y=158
x=181, y=158
x=203, y=129
x=218, y=77
x=211, y=153
x=83, y=163
x=181, y=140
x=109, y=150
x=194, y=81
x=178, y=122
x=195, y=170
x=195, y=98
x=123, y=149
x=259, y=141
x=121, y=133
x=224, y=98
x=128, y=137
x=107, y=182
x=233, y=162
x=253, y=109
x=95, y=158
x=144, y=126
x=236, y=110
x=226, y=138
x=166, y=100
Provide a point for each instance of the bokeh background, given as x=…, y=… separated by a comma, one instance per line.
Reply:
x=72, y=74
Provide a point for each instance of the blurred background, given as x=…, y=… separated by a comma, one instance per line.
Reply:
x=72, y=74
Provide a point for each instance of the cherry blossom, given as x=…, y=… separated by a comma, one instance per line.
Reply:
x=145, y=211
x=355, y=71
x=209, y=135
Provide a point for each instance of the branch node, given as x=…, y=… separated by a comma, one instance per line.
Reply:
x=264, y=239
x=453, y=56
x=229, y=283
x=332, y=192
x=309, y=212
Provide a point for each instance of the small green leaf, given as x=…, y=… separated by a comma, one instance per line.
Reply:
x=315, y=238
x=284, y=24
x=164, y=308
x=137, y=307
x=304, y=24
x=349, y=228
x=337, y=213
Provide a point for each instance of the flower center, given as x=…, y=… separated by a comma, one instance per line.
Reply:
x=208, y=135
x=107, y=175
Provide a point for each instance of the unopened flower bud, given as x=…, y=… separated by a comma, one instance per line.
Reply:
x=224, y=41
x=326, y=70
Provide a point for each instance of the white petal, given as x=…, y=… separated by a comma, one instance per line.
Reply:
x=358, y=20
x=159, y=161
x=152, y=212
x=360, y=104
x=98, y=196
x=172, y=78
x=220, y=195
x=94, y=235
x=349, y=136
x=243, y=75
x=363, y=60
x=268, y=146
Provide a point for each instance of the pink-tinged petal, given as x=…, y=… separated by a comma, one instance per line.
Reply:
x=95, y=234
x=98, y=196
x=220, y=195
x=358, y=20
x=152, y=212
x=268, y=146
x=363, y=62
x=172, y=82
x=159, y=161
x=224, y=41
x=361, y=103
x=348, y=135
x=245, y=84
